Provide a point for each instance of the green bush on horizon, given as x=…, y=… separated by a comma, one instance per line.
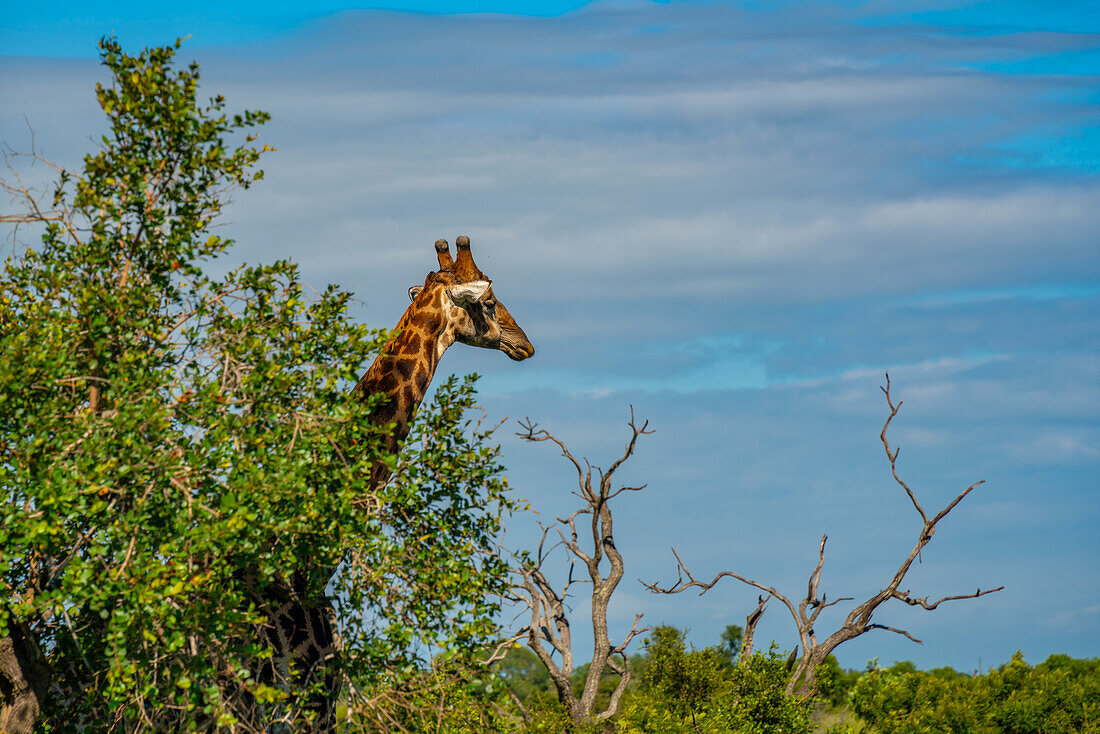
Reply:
x=1058, y=696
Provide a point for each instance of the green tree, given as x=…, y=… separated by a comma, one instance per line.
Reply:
x=524, y=673
x=834, y=683
x=731, y=642
x=687, y=681
x=698, y=691
x=162, y=429
x=1058, y=696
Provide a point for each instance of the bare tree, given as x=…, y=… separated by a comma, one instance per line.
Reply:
x=806, y=612
x=548, y=633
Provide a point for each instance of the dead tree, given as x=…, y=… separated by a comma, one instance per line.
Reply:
x=806, y=612
x=548, y=633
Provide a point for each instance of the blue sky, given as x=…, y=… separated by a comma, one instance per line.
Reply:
x=68, y=29
x=734, y=217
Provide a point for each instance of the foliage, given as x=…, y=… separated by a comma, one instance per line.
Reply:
x=524, y=673
x=731, y=642
x=161, y=430
x=548, y=716
x=698, y=691
x=690, y=691
x=457, y=699
x=449, y=700
x=1058, y=696
x=609, y=681
x=686, y=680
x=833, y=683
x=427, y=568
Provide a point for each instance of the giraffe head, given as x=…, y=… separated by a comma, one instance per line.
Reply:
x=470, y=309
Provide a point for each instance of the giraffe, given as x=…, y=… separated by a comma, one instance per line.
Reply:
x=456, y=303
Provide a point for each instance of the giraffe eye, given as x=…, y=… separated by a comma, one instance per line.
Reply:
x=490, y=303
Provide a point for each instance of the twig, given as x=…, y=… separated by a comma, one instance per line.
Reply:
x=858, y=620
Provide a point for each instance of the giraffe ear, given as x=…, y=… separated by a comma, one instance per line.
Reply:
x=464, y=293
x=414, y=291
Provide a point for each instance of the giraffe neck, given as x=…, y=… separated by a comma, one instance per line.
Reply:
x=302, y=629
x=406, y=364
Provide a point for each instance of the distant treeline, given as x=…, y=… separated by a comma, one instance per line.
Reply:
x=680, y=689
x=1060, y=695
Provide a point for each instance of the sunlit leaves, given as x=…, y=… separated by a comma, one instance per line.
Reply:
x=162, y=430
x=700, y=691
x=1059, y=696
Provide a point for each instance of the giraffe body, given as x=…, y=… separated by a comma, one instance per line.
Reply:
x=455, y=303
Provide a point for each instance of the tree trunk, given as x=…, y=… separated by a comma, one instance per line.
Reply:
x=24, y=680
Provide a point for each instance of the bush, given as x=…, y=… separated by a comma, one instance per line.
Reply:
x=834, y=683
x=1059, y=696
x=699, y=691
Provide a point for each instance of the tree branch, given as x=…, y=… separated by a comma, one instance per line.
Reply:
x=858, y=620
x=604, y=563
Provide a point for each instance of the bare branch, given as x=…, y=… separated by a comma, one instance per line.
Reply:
x=893, y=457
x=534, y=434
x=634, y=631
x=524, y=712
x=548, y=623
x=858, y=620
x=500, y=651
x=815, y=577
x=901, y=632
x=630, y=444
x=751, y=620
x=692, y=582
x=923, y=602
x=620, y=490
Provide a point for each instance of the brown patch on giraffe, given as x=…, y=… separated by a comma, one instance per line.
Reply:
x=408, y=396
x=384, y=412
x=405, y=367
x=429, y=322
x=422, y=379
x=481, y=325
x=387, y=384
x=299, y=632
x=413, y=343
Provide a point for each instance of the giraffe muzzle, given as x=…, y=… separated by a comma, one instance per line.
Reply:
x=518, y=349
